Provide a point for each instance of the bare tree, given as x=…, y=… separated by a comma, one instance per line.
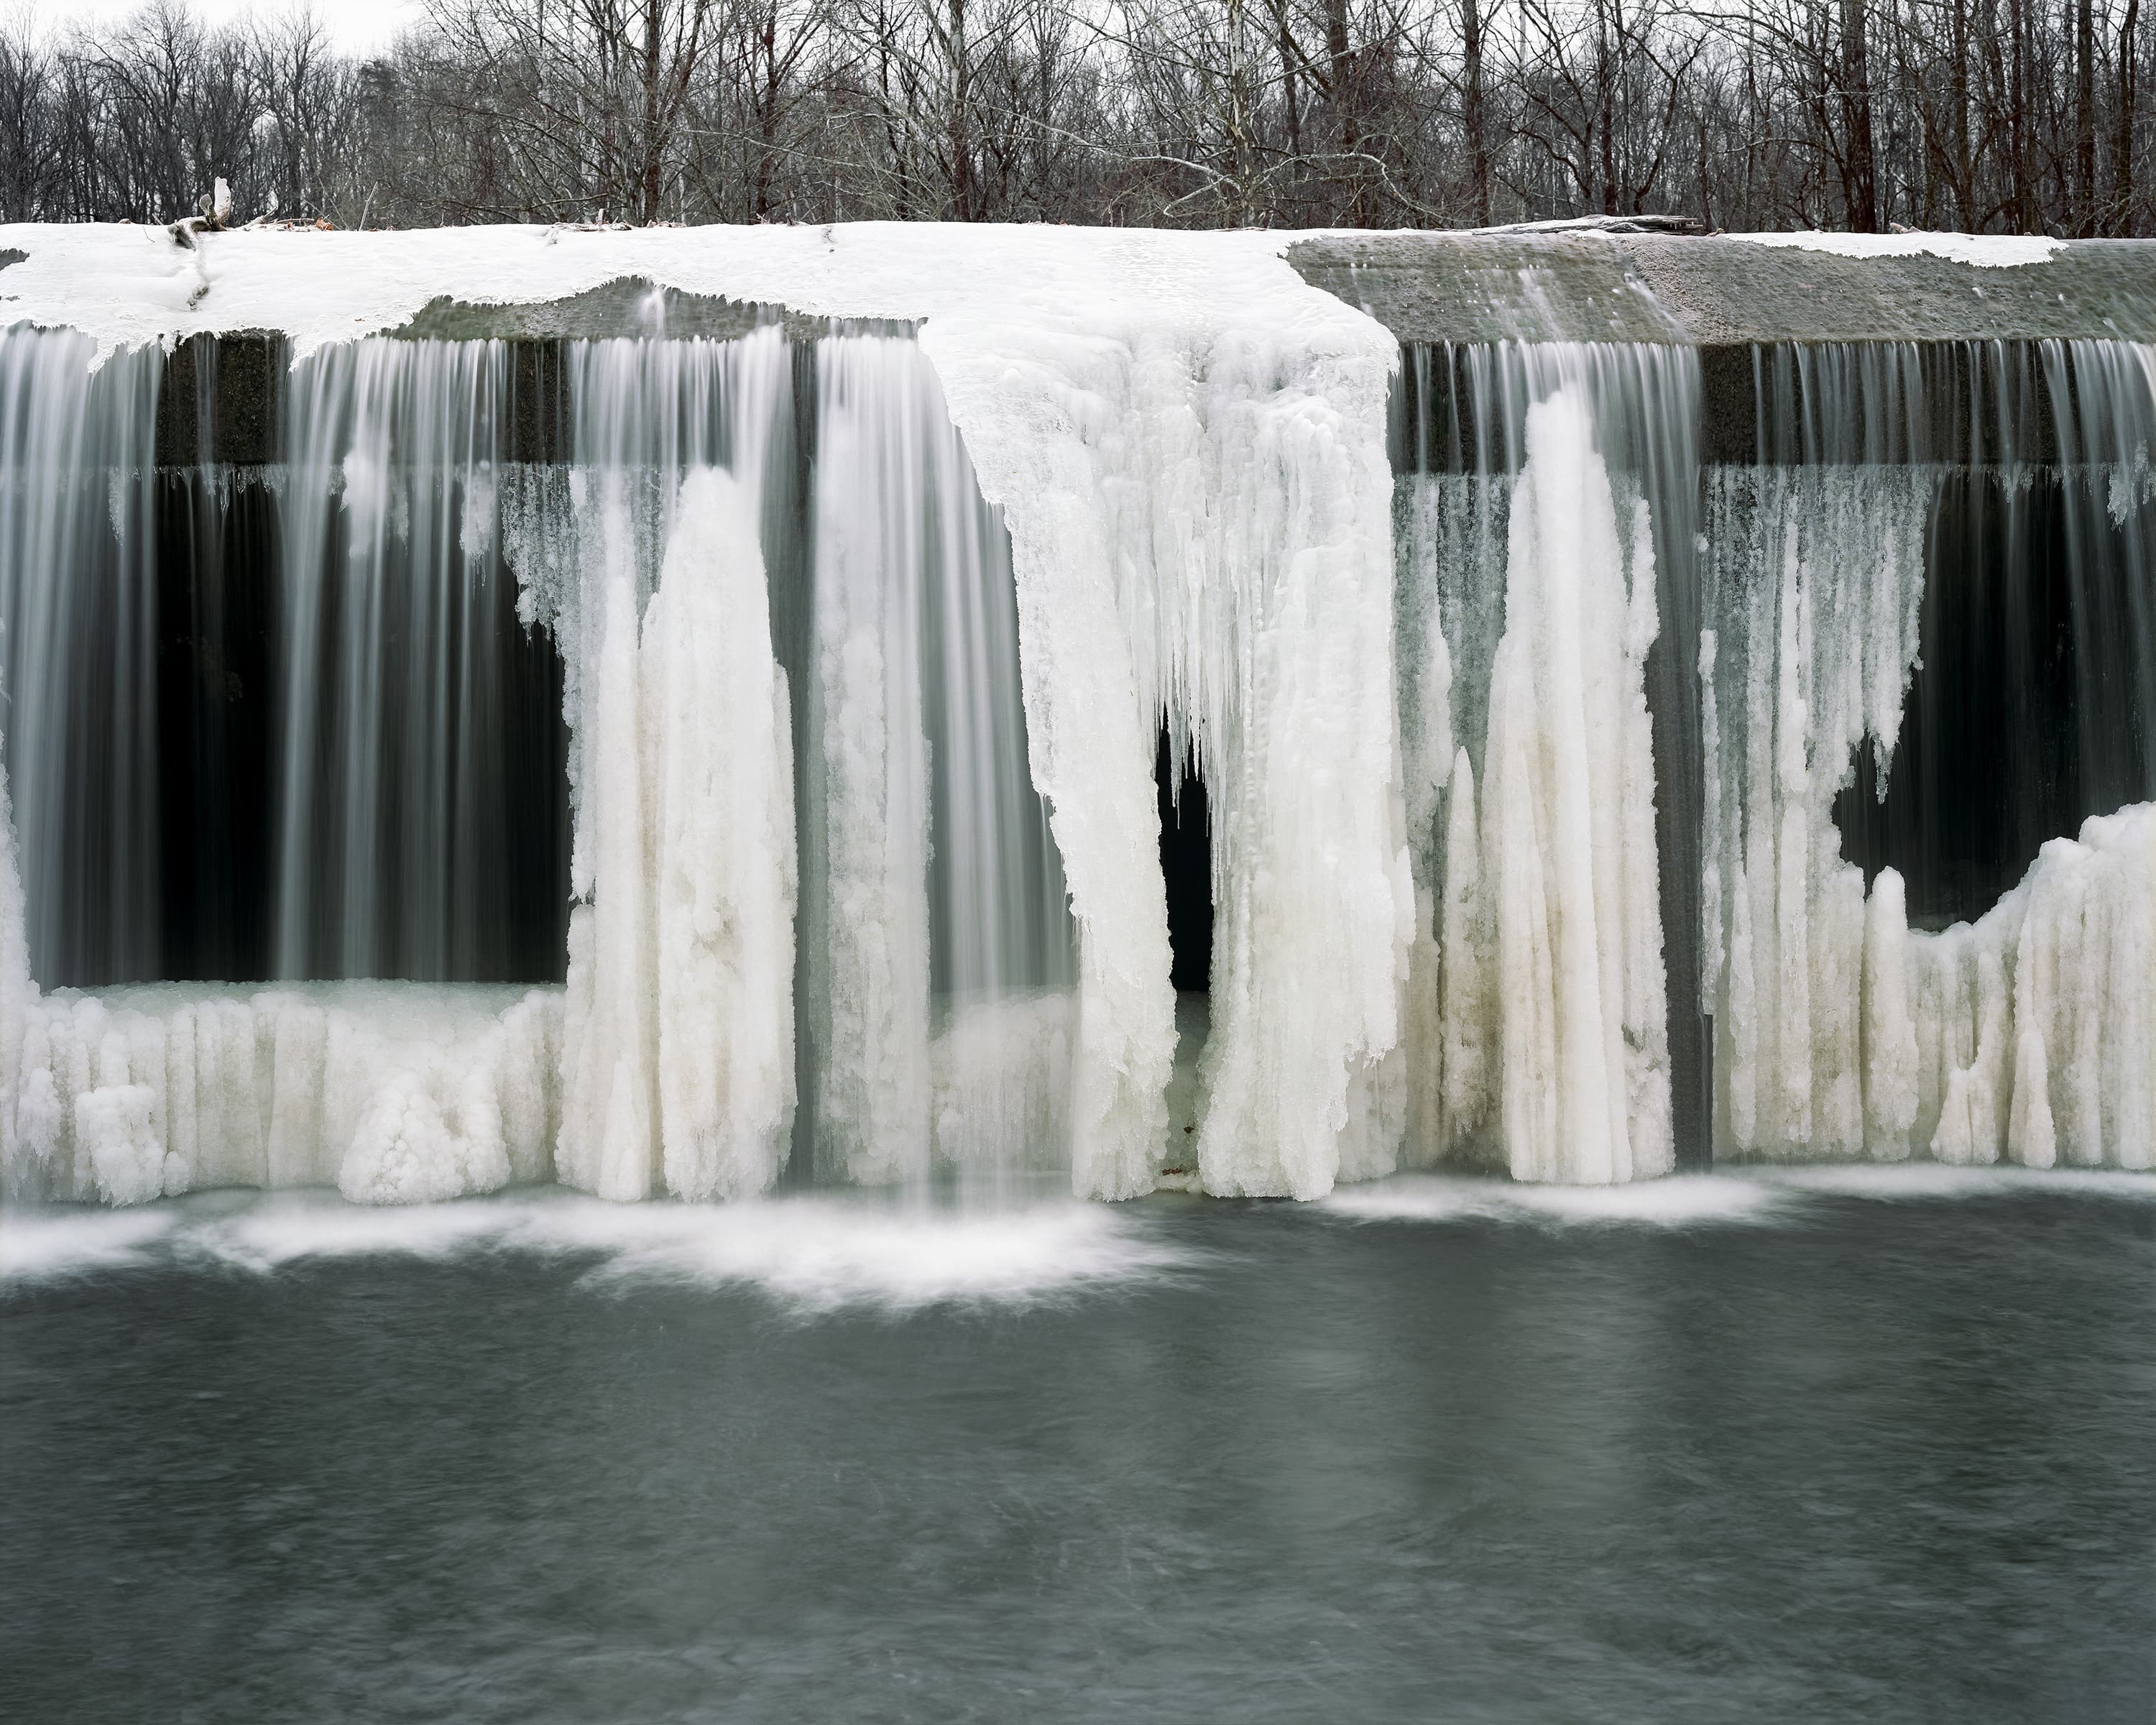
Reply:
x=1986, y=115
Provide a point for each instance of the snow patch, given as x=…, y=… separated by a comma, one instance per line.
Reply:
x=1985, y=251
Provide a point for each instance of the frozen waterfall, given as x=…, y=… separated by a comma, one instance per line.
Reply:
x=689, y=764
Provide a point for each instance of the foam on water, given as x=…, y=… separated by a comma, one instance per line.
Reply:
x=809, y=1254
x=1931, y=1180
x=1679, y=1202
x=1752, y=1196
x=36, y=1246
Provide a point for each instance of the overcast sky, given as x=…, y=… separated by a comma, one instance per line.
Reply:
x=358, y=25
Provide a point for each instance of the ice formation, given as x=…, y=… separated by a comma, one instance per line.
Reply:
x=1842, y=1031
x=1814, y=576
x=679, y=1026
x=1529, y=603
x=1568, y=792
x=866, y=636
x=394, y=1093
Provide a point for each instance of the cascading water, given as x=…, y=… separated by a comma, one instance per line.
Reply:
x=417, y=569
x=78, y=604
x=941, y=954
x=413, y=774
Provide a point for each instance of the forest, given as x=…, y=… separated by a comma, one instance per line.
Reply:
x=1982, y=116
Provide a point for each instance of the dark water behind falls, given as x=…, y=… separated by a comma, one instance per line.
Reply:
x=1839, y=1459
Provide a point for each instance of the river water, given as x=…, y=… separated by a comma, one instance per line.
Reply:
x=1874, y=1446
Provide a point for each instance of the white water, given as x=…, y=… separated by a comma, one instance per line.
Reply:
x=808, y=1254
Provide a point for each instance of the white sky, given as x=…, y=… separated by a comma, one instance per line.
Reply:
x=356, y=25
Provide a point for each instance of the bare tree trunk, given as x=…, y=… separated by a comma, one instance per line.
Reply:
x=2018, y=116
x=1472, y=116
x=2086, y=221
x=1290, y=78
x=2123, y=117
x=1340, y=71
x=962, y=141
x=765, y=96
x=1963, y=164
x=650, y=190
x=1861, y=176
x=1605, y=95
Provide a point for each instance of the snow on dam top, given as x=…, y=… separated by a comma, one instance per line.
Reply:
x=979, y=286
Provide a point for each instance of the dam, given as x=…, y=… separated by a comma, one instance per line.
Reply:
x=693, y=713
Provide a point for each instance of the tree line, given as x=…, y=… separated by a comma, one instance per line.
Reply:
x=1985, y=116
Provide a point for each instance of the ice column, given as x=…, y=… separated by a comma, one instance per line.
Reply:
x=679, y=1027
x=2024, y=1035
x=1567, y=837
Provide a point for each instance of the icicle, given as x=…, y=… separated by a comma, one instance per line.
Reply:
x=717, y=715
x=609, y=1119
x=1465, y=939
x=1890, y=1034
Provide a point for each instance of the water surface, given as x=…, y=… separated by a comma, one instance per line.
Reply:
x=1741, y=1450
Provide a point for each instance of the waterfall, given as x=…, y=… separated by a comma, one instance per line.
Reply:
x=79, y=603
x=653, y=765
x=400, y=767
x=703, y=567
x=940, y=948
